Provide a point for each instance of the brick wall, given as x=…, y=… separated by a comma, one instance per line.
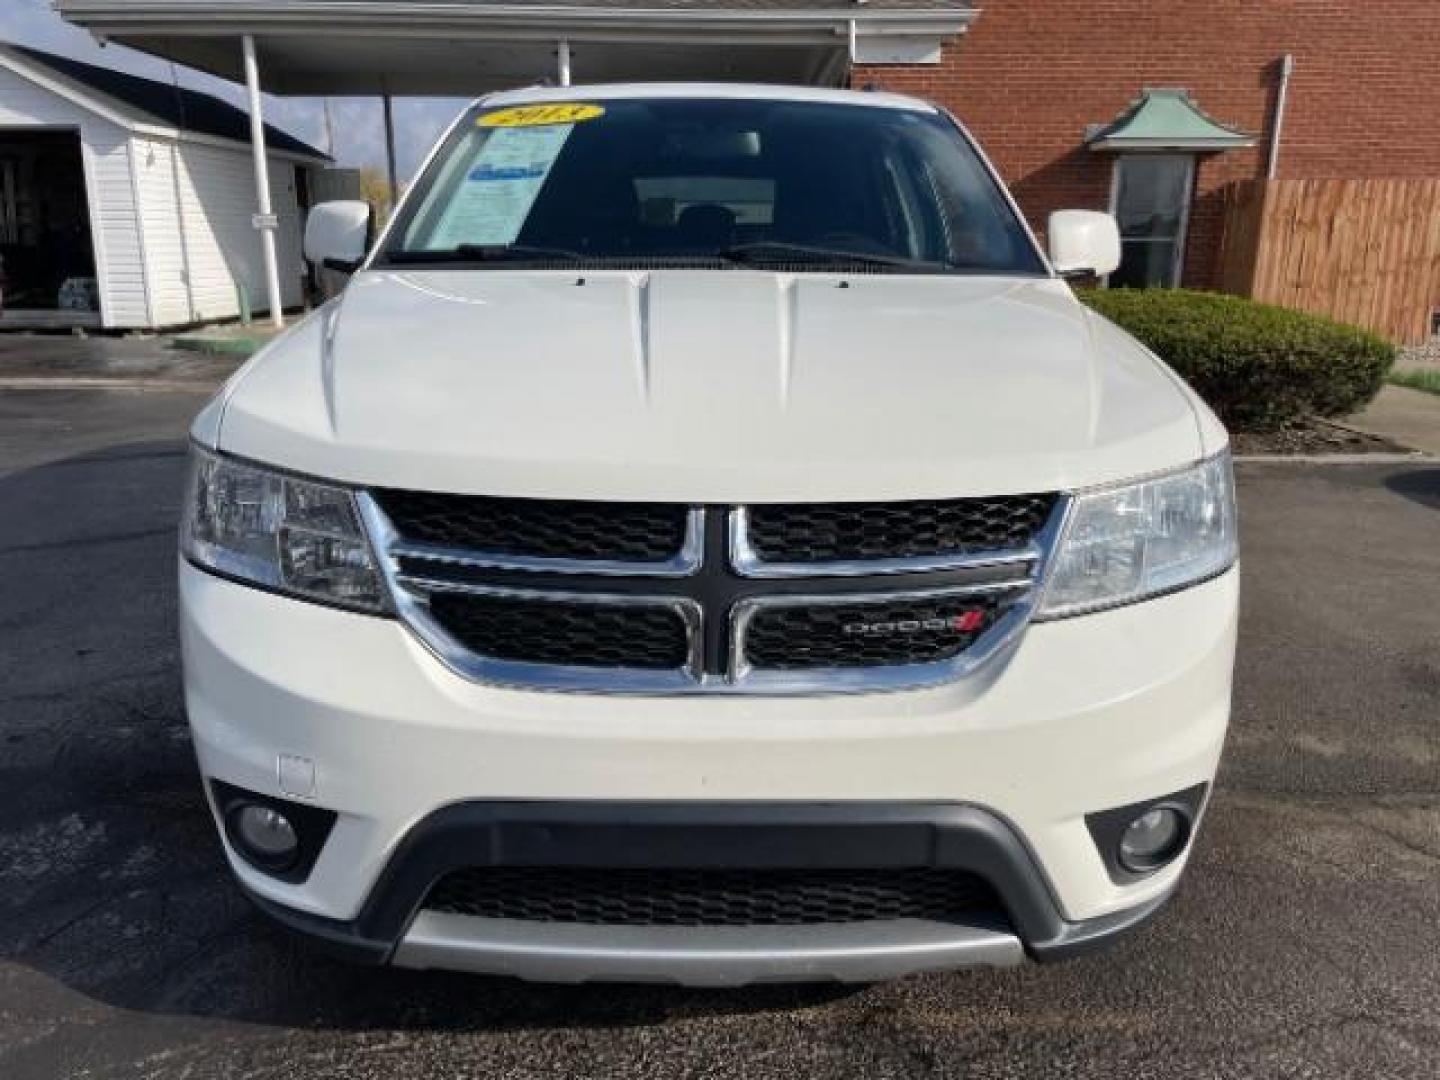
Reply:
x=1032, y=74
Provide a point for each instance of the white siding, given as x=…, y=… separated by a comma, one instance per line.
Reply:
x=113, y=225
x=197, y=202
x=155, y=181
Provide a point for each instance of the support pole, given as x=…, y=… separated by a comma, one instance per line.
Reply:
x=329, y=127
x=265, y=219
x=562, y=56
x=389, y=113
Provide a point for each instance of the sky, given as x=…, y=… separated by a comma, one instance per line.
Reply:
x=359, y=131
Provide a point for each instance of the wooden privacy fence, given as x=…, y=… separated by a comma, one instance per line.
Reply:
x=1359, y=251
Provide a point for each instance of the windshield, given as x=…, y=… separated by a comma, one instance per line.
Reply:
x=659, y=182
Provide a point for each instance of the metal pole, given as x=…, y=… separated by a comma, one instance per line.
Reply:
x=563, y=57
x=265, y=219
x=329, y=128
x=389, y=111
x=1277, y=126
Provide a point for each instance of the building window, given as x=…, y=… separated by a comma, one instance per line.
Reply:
x=1151, y=198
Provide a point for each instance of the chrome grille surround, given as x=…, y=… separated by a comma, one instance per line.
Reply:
x=999, y=636
x=685, y=562
x=717, y=591
x=746, y=557
x=541, y=532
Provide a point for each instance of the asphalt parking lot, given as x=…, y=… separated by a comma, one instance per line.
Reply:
x=1305, y=943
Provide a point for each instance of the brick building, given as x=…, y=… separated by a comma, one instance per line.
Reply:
x=1031, y=78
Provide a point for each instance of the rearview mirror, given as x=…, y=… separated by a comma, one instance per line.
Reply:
x=337, y=234
x=1084, y=242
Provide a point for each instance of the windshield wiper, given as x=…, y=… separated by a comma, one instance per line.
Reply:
x=487, y=253
x=758, y=253
x=773, y=251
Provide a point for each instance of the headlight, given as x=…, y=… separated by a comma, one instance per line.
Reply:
x=279, y=532
x=1121, y=544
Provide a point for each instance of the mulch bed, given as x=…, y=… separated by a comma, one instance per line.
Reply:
x=1313, y=437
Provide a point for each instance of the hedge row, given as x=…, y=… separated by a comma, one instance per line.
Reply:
x=1259, y=367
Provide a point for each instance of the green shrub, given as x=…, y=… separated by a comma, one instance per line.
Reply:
x=1259, y=367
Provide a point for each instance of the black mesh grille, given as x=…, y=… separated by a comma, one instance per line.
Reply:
x=831, y=532
x=539, y=528
x=668, y=897
x=866, y=635
x=506, y=612
x=554, y=632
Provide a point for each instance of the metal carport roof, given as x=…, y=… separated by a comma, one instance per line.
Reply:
x=465, y=47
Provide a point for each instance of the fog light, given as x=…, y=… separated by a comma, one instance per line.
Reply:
x=1153, y=839
x=267, y=836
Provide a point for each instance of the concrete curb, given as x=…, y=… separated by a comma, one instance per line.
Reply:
x=43, y=382
x=1340, y=425
x=1414, y=458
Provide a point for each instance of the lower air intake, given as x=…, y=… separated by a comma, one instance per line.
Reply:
x=669, y=897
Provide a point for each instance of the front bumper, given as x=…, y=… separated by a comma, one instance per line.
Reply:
x=1087, y=714
x=755, y=836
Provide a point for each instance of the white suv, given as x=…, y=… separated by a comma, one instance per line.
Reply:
x=708, y=541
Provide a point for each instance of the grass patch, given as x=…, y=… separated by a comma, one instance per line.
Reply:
x=216, y=345
x=1429, y=381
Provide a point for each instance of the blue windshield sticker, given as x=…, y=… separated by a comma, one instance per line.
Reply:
x=481, y=173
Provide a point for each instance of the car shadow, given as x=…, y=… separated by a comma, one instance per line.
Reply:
x=1420, y=485
x=112, y=881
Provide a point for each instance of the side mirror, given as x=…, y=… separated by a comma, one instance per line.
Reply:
x=337, y=234
x=1084, y=242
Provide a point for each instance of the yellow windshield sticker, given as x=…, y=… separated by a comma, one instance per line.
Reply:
x=541, y=115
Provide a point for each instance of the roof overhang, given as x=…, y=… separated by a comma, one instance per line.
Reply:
x=128, y=118
x=459, y=48
x=1167, y=120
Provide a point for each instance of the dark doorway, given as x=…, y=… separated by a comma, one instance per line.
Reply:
x=49, y=259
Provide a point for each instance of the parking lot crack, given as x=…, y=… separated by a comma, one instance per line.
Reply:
x=71, y=543
x=81, y=690
x=1401, y=841
x=80, y=916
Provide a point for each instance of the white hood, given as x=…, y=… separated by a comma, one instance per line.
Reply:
x=709, y=386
